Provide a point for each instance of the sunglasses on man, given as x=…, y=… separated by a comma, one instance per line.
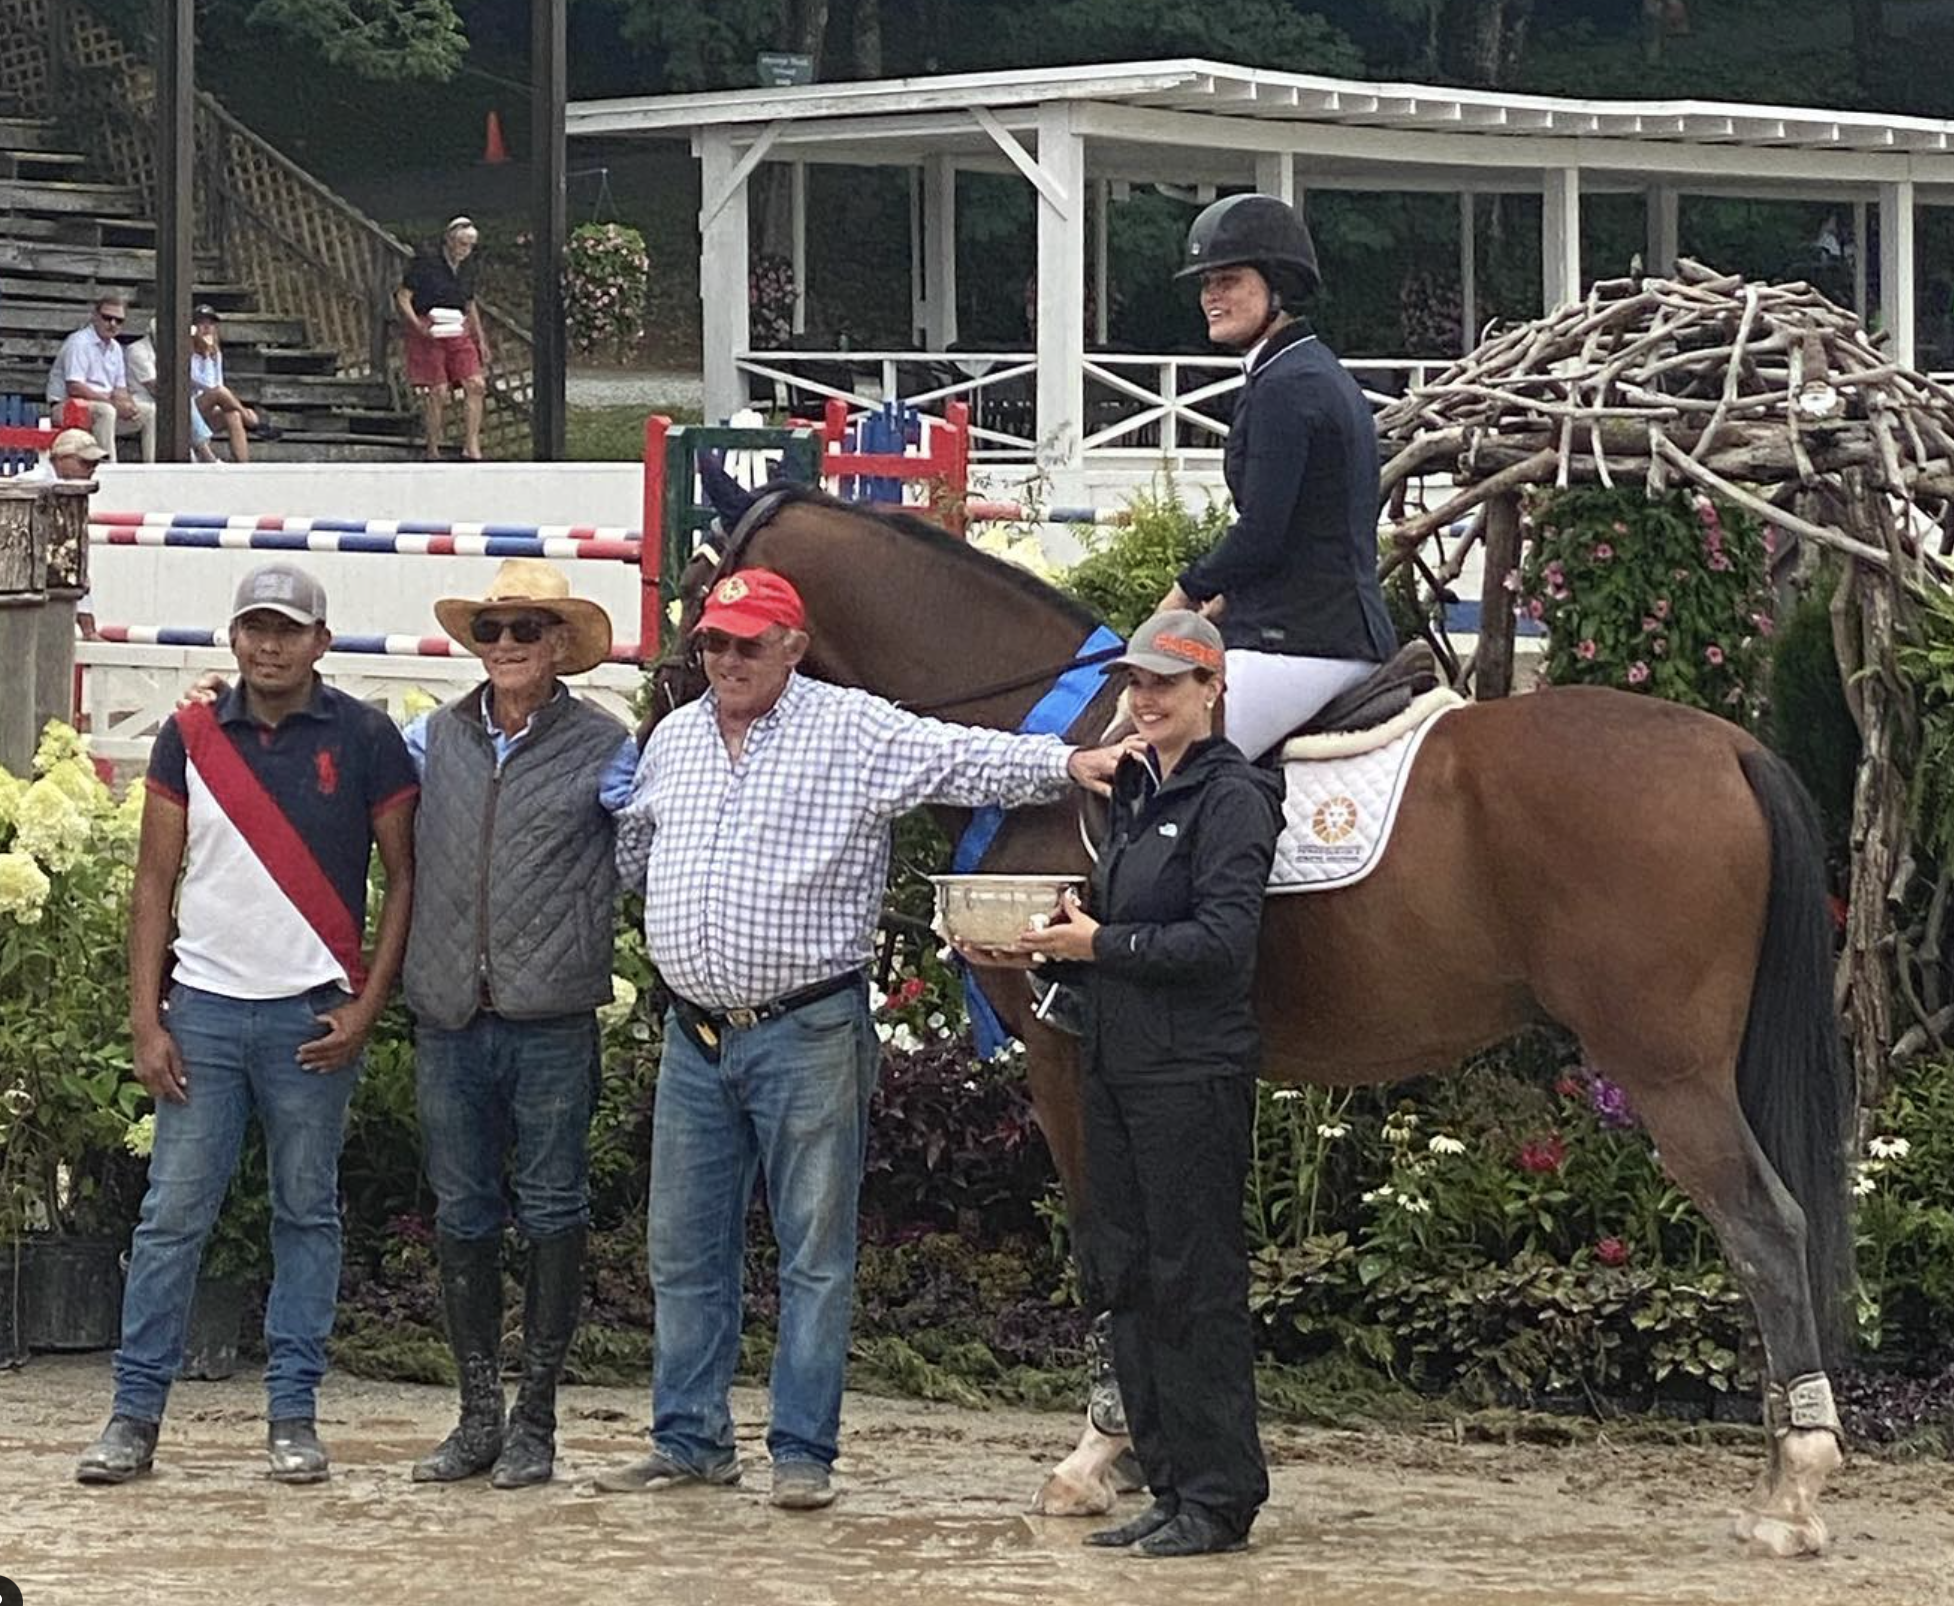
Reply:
x=718, y=643
x=111, y=317
x=527, y=628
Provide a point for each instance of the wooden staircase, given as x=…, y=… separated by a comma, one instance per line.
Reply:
x=65, y=239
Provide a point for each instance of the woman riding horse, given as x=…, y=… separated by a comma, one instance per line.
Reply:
x=1304, y=616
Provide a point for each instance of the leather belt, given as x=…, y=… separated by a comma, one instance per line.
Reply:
x=742, y=1018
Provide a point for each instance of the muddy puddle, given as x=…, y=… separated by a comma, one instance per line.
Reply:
x=931, y=1512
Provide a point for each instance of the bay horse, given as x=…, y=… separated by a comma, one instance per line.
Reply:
x=1646, y=875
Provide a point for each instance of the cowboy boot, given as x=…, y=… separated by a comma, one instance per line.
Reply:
x=550, y=1307
x=471, y=1291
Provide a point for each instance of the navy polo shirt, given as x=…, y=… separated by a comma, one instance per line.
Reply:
x=280, y=833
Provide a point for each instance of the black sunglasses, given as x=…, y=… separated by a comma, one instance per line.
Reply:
x=527, y=628
x=718, y=643
x=111, y=317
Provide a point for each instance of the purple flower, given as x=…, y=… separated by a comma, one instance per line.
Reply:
x=1609, y=1103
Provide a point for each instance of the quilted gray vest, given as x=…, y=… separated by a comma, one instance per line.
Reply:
x=514, y=883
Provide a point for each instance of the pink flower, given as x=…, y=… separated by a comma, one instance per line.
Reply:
x=1512, y=580
x=1764, y=622
x=1602, y=552
x=1719, y=564
x=1637, y=673
x=1660, y=646
x=1554, y=574
x=1611, y=1252
x=1662, y=607
x=1619, y=528
x=1536, y=609
x=1649, y=623
x=1570, y=1087
x=1587, y=649
x=1713, y=653
x=1770, y=540
x=1542, y=1156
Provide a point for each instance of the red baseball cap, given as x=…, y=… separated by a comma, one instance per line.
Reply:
x=745, y=604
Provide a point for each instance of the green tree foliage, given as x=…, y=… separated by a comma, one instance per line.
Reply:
x=381, y=39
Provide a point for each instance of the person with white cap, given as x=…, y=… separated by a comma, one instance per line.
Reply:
x=507, y=964
x=72, y=457
x=266, y=804
x=1166, y=961
x=447, y=344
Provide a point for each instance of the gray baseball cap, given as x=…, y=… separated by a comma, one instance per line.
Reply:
x=1173, y=643
x=281, y=588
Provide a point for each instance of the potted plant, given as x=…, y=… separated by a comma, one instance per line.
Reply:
x=68, y=1184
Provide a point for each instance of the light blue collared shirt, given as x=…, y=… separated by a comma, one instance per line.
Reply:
x=613, y=786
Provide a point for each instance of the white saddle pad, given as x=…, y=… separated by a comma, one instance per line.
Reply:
x=1339, y=812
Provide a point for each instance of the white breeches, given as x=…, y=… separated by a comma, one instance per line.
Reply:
x=1271, y=693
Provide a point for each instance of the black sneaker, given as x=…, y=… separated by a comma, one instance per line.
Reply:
x=126, y=1449
x=296, y=1455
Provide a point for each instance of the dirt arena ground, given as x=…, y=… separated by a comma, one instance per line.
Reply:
x=931, y=1510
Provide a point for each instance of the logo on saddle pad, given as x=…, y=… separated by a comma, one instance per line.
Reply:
x=1333, y=819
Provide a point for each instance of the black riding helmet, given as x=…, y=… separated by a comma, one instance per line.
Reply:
x=1257, y=231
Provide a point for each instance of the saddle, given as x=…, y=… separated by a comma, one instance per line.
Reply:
x=1398, y=696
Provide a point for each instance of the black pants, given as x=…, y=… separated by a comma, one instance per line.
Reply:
x=1162, y=1247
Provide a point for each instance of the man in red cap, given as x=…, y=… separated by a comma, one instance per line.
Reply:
x=759, y=830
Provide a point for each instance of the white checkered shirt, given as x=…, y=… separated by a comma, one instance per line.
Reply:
x=767, y=876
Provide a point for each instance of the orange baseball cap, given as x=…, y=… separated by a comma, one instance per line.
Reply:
x=746, y=603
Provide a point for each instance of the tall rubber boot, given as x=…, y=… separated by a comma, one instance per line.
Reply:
x=471, y=1291
x=551, y=1305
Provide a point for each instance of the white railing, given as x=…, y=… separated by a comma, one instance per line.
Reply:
x=1133, y=401
x=127, y=691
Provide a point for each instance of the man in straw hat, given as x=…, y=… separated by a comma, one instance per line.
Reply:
x=505, y=971
x=760, y=834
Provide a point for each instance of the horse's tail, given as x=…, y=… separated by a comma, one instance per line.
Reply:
x=1791, y=1073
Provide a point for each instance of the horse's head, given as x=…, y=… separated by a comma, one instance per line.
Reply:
x=680, y=675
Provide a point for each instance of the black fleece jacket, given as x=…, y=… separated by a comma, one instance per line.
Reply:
x=1178, y=893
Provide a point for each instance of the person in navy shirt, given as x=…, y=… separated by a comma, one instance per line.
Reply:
x=267, y=804
x=1293, y=581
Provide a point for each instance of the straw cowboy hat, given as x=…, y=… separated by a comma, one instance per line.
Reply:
x=534, y=584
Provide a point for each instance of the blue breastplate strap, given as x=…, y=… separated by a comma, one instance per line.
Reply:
x=1052, y=715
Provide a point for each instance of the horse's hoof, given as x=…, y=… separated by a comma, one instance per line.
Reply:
x=1779, y=1537
x=1067, y=1497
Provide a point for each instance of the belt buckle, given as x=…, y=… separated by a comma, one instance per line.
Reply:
x=745, y=1019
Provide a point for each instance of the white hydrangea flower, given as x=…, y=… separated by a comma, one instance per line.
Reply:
x=59, y=742
x=624, y=999
x=140, y=1137
x=23, y=888
x=49, y=825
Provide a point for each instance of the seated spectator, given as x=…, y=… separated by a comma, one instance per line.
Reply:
x=213, y=402
x=446, y=344
x=140, y=355
x=90, y=369
x=72, y=456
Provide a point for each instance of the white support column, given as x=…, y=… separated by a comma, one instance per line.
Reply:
x=1859, y=239
x=940, y=251
x=918, y=291
x=1102, y=198
x=1663, y=213
x=797, y=213
x=1275, y=174
x=1061, y=298
x=726, y=329
x=1896, y=288
x=1468, y=272
x=1560, y=238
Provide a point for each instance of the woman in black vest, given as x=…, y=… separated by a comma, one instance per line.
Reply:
x=1169, y=1061
x=1304, y=617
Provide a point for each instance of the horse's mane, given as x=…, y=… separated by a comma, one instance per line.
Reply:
x=944, y=544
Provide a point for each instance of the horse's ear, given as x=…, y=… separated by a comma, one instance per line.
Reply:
x=729, y=499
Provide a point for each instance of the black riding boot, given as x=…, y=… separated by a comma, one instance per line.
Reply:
x=471, y=1290
x=549, y=1321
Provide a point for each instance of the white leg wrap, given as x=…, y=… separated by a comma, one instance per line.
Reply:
x=1808, y=1404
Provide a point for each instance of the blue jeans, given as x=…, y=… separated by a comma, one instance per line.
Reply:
x=240, y=1055
x=494, y=1080
x=788, y=1101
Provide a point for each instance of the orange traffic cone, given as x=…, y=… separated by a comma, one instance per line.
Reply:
x=493, y=150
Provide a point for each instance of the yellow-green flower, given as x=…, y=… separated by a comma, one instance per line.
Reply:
x=58, y=742
x=418, y=701
x=48, y=825
x=77, y=779
x=624, y=999
x=23, y=888
x=140, y=1138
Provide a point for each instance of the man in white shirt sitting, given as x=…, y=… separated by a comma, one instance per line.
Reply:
x=90, y=369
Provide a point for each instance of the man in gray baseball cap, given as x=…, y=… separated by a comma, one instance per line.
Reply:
x=284, y=589
x=287, y=786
